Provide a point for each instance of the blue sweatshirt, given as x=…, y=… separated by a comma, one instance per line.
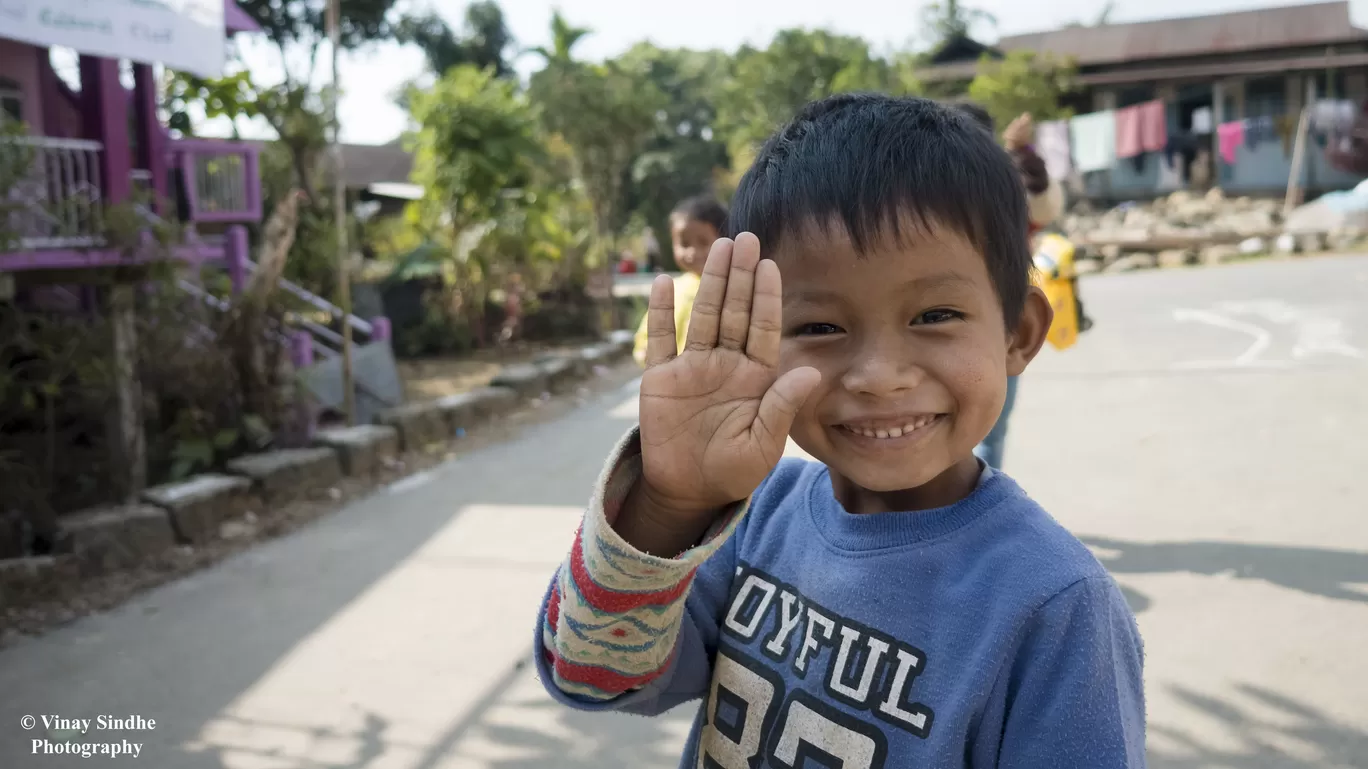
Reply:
x=979, y=635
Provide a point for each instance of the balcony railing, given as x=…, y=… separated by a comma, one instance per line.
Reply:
x=57, y=202
x=53, y=197
x=220, y=179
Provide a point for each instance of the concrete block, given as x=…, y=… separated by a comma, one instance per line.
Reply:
x=526, y=379
x=362, y=449
x=116, y=537
x=561, y=374
x=289, y=474
x=466, y=410
x=419, y=424
x=198, y=506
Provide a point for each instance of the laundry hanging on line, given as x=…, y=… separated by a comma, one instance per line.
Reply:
x=1093, y=139
x=1229, y=136
x=1141, y=128
x=1202, y=120
x=1332, y=116
x=1052, y=144
x=1285, y=126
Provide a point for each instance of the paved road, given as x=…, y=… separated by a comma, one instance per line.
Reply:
x=1207, y=438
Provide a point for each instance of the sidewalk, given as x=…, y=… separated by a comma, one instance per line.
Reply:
x=390, y=635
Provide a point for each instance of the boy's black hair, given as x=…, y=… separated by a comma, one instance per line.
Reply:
x=976, y=111
x=704, y=209
x=871, y=162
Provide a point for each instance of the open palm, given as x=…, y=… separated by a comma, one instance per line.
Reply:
x=715, y=417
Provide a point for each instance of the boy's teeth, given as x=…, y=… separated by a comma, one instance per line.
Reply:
x=893, y=432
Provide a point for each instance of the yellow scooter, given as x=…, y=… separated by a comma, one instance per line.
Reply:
x=1054, y=273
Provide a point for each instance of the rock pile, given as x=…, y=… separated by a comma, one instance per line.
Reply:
x=1187, y=228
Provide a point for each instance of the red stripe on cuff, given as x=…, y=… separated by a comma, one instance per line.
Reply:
x=604, y=679
x=615, y=602
x=553, y=608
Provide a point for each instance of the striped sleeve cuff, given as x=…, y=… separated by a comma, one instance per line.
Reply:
x=614, y=613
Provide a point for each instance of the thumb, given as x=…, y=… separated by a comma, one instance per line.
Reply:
x=780, y=405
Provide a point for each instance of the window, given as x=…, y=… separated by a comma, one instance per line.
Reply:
x=11, y=101
x=1330, y=84
x=1266, y=97
x=1129, y=97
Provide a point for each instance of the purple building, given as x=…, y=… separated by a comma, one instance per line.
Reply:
x=93, y=147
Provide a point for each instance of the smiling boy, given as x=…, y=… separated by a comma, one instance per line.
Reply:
x=896, y=603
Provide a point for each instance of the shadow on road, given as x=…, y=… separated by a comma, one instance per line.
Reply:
x=275, y=619
x=1316, y=571
x=1264, y=730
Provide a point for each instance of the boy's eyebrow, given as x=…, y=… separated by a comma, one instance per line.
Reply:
x=940, y=280
x=924, y=283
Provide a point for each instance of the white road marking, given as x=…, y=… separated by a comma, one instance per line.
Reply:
x=1318, y=333
x=1262, y=339
x=1323, y=335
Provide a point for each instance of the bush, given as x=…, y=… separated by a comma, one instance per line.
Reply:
x=200, y=407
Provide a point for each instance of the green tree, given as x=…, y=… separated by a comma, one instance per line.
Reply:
x=475, y=146
x=484, y=40
x=604, y=114
x=1022, y=82
x=476, y=151
x=766, y=87
x=949, y=20
x=684, y=153
x=564, y=37
x=295, y=108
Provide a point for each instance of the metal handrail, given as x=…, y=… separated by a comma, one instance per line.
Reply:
x=319, y=303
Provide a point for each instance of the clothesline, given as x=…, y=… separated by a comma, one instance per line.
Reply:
x=1095, y=141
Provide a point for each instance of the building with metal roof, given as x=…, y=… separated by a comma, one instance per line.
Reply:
x=1269, y=62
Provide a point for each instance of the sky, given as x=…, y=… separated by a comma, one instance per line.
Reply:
x=371, y=77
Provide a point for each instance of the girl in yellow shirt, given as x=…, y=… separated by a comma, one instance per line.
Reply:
x=694, y=225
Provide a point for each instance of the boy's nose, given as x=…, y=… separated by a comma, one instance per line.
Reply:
x=882, y=373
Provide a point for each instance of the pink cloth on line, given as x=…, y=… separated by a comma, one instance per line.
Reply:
x=1141, y=128
x=1153, y=126
x=1128, y=132
x=1230, y=136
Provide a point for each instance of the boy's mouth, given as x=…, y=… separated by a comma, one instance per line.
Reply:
x=887, y=429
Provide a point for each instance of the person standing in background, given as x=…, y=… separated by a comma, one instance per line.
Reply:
x=1045, y=202
x=694, y=225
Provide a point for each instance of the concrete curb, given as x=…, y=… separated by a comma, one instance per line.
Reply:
x=199, y=505
x=194, y=511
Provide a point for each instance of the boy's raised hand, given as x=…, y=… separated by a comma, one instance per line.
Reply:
x=715, y=418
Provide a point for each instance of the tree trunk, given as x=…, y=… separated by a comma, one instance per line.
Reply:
x=128, y=444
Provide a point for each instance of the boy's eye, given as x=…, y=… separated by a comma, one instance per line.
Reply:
x=817, y=329
x=931, y=317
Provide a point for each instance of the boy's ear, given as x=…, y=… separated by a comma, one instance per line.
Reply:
x=1026, y=339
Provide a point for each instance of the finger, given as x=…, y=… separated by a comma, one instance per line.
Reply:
x=781, y=404
x=767, y=314
x=707, y=308
x=661, y=342
x=736, y=308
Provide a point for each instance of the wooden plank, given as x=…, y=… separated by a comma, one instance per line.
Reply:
x=1171, y=242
